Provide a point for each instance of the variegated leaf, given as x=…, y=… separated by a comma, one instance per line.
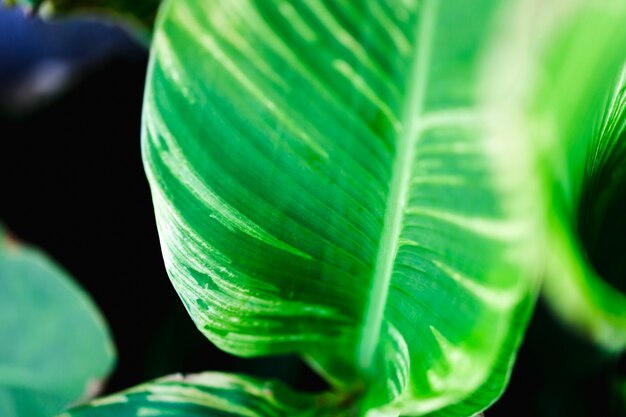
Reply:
x=326, y=181
x=210, y=394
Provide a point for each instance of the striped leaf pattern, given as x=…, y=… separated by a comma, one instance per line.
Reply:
x=325, y=181
x=209, y=394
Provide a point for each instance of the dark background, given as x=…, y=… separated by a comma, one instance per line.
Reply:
x=73, y=184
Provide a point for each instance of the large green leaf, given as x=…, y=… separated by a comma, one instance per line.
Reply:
x=54, y=345
x=326, y=181
x=209, y=394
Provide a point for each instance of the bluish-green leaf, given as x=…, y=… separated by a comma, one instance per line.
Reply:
x=326, y=181
x=209, y=394
x=54, y=346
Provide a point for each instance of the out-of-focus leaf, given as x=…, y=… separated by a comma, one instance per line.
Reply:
x=579, y=114
x=54, y=346
x=142, y=11
x=326, y=182
x=209, y=394
x=41, y=61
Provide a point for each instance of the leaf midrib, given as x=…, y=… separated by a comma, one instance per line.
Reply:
x=399, y=186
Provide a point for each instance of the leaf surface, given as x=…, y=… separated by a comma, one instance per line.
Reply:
x=325, y=181
x=209, y=394
x=54, y=345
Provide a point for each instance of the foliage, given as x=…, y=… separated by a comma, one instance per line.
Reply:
x=206, y=394
x=580, y=139
x=378, y=187
x=55, y=346
x=355, y=200
x=139, y=14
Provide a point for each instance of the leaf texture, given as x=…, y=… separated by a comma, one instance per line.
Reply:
x=325, y=181
x=209, y=394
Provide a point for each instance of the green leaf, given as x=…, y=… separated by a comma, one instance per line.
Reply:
x=578, y=113
x=209, y=394
x=592, y=259
x=326, y=181
x=55, y=347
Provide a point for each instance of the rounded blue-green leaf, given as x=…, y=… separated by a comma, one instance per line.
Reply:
x=55, y=347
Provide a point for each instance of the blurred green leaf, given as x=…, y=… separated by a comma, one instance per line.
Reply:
x=54, y=345
x=579, y=116
x=325, y=182
x=209, y=394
